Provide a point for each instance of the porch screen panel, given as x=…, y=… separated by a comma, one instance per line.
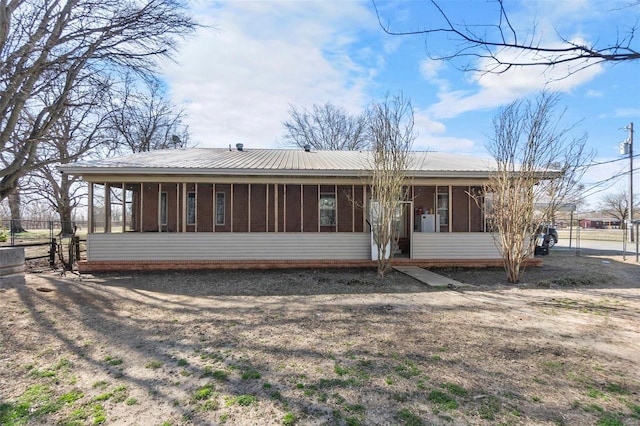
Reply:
x=424, y=198
x=132, y=207
x=172, y=207
x=99, y=212
x=442, y=207
x=460, y=209
x=240, y=208
x=358, y=210
x=115, y=213
x=150, y=207
x=258, y=208
x=204, y=206
x=191, y=207
x=345, y=208
x=293, y=209
x=271, y=208
x=310, y=205
x=281, y=208
x=475, y=210
x=223, y=207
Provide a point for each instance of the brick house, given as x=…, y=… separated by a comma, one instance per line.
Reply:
x=213, y=208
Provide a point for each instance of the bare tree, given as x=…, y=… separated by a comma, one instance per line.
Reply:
x=572, y=162
x=143, y=119
x=526, y=145
x=78, y=132
x=616, y=205
x=54, y=40
x=326, y=127
x=499, y=45
x=391, y=129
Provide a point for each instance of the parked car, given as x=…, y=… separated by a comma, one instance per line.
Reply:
x=550, y=232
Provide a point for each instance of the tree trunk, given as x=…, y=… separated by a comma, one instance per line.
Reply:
x=65, y=219
x=16, y=216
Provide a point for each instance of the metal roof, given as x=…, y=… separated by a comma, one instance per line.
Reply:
x=274, y=162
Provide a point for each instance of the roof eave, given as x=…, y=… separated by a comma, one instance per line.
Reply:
x=84, y=171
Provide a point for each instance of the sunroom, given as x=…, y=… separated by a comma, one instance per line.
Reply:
x=218, y=207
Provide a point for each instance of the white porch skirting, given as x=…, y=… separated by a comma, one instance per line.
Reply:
x=454, y=245
x=207, y=246
x=228, y=246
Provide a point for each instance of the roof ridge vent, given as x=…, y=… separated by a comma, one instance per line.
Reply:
x=307, y=148
x=239, y=146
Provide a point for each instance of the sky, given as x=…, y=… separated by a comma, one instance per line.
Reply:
x=238, y=76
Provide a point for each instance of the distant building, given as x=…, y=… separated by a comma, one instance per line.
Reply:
x=600, y=223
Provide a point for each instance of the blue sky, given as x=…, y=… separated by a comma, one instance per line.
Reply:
x=237, y=77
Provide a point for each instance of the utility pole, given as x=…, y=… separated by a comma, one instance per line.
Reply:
x=626, y=147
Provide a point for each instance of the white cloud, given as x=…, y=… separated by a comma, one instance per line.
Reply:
x=594, y=93
x=626, y=113
x=430, y=68
x=430, y=136
x=432, y=142
x=496, y=89
x=237, y=80
x=424, y=123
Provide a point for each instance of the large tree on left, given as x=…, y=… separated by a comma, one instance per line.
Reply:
x=62, y=42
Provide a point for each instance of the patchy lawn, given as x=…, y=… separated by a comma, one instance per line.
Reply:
x=335, y=347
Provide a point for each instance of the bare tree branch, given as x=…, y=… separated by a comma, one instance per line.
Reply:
x=391, y=131
x=537, y=165
x=143, y=119
x=616, y=205
x=326, y=127
x=498, y=47
x=45, y=41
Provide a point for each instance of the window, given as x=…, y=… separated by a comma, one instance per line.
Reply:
x=163, y=208
x=191, y=208
x=327, y=209
x=443, y=208
x=219, y=208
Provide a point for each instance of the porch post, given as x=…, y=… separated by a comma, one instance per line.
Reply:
x=124, y=207
x=353, y=208
x=276, y=209
x=184, y=206
x=90, y=219
x=159, y=206
x=215, y=213
x=195, y=208
x=335, y=197
x=107, y=208
x=318, y=204
x=266, y=209
x=141, y=207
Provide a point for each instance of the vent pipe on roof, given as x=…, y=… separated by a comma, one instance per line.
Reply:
x=239, y=146
x=307, y=148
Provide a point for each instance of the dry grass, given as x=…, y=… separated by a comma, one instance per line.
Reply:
x=592, y=234
x=323, y=348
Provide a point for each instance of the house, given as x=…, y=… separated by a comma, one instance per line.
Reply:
x=600, y=223
x=215, y=208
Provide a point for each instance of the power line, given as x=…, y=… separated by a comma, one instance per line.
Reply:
x=592, y=164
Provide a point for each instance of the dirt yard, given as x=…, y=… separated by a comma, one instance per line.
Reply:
x=331, y=347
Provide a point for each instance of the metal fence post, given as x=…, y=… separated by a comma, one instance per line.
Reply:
x=52, y=253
